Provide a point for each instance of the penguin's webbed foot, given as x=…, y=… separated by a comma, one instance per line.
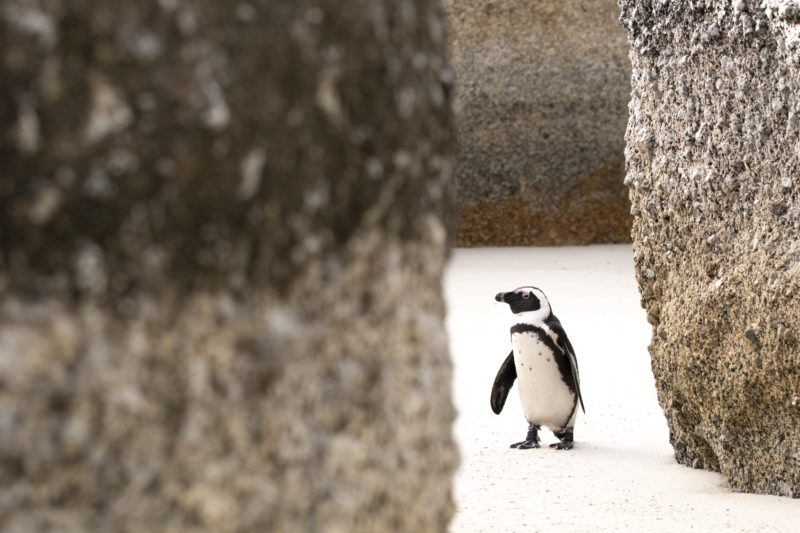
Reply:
x=526, y=444
x=566, y=439
x=531, y=441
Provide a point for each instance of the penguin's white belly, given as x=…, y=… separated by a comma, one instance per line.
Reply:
x=546, y=399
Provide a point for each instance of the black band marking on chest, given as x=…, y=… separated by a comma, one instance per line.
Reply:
x=562, y=359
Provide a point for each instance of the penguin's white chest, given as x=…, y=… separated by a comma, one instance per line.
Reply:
x=546, y=399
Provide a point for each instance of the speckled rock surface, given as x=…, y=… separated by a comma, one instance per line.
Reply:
x=220, y=271
x=712, y=155
x=542, y=88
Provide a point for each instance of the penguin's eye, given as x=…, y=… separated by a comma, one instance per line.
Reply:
x=526, y=295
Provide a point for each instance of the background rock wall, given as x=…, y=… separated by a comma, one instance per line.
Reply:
x=712, y=160
x=221, y=249
x=542, y=87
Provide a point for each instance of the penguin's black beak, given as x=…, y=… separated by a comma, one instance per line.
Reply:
x=501, y=297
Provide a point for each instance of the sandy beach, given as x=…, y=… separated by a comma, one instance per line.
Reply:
x=621, y=475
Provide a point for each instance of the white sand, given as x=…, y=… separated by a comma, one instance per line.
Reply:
x=621, y=475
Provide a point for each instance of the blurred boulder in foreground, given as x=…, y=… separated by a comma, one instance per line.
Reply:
x=221, y=249
x=713, y=175
x=542, y=88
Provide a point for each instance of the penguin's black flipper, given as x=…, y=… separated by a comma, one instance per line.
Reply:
x=573, y=364
x=563, y=343
x=503, y=383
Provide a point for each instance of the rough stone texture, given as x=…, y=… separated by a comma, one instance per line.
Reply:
x=221, y=249
x=712, y=155
x=542, y=88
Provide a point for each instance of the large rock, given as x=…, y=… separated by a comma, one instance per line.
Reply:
x=542, y=87
x=221, y=250
x=713, y=170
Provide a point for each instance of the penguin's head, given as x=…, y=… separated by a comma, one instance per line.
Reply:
x=526, y=300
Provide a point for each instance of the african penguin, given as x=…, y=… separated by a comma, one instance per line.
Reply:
x=543, y=361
